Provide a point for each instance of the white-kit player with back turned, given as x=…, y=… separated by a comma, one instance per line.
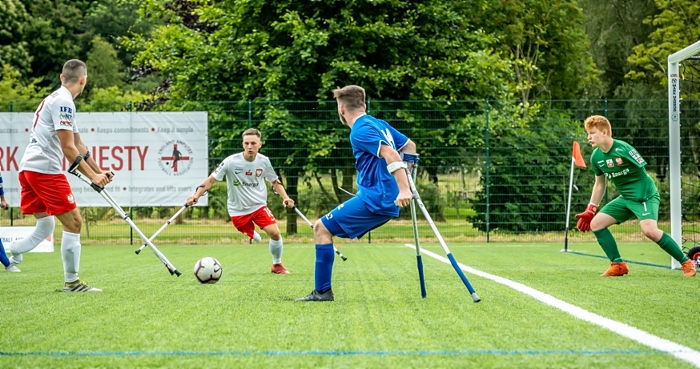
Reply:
x=245, y=175
x=45, y=189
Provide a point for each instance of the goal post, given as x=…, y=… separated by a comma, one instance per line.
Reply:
x=674, y=144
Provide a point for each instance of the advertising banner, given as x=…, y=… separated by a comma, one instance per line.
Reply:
x=159, y=158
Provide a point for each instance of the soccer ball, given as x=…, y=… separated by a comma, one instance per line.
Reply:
x=207, y=270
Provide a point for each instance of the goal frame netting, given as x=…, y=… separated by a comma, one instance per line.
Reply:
x=674, y=138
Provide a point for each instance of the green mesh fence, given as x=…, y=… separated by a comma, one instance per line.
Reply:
x=488, y=170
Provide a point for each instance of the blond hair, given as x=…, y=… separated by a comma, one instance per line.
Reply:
x=352, y=97
x=251, y=132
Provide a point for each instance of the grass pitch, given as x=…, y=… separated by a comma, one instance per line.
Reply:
x=147, y=318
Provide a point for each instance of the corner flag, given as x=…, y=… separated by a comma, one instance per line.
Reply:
x=578, y=159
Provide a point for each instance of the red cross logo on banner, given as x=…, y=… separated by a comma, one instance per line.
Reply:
x=176, y=157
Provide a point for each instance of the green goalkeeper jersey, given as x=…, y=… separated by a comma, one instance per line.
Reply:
x=625, y=168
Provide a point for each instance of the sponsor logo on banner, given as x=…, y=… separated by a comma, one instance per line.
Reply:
x=175, y=158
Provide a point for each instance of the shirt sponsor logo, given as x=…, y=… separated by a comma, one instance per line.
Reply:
x=219, y=168
x=66, y=123
x=617, y=174
x=237, y=170
x=238, y=183
x=610, y=163
x=635, y=155
x=249, y=172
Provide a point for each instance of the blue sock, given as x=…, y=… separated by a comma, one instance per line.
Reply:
x=324, y=266
x=3, y=257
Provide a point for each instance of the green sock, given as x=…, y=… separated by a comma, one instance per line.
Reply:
x=671, y=247
x=607, y=242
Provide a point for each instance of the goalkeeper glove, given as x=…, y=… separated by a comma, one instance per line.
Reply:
x=584, y=219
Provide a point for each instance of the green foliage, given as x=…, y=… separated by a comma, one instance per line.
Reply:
x=613, y=29
x=525, y=175
x=286, y=50
x=55, y=31
x=16, y=92
x=544, y=41
x=13, y=50
x=104, y=69
x=111, y=99
x=676, y=25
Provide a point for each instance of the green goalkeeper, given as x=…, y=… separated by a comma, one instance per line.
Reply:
x=621, y=163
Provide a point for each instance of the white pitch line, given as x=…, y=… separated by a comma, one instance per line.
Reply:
x=645, y=338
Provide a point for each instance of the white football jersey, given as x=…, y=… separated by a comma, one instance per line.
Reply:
x=44, y=153
x=245, y=180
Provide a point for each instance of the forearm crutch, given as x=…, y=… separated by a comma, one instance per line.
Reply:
x=171, y=268
x=459, y=271
x=166, y=224
x=312, y=227
x=162, y=228
x=419, y=257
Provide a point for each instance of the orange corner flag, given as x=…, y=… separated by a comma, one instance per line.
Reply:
x=578, y=159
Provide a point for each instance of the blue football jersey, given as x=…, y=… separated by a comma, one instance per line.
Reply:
x=376, y=186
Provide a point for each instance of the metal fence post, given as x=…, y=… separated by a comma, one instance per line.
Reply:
x=250, y=114
x=486, y=175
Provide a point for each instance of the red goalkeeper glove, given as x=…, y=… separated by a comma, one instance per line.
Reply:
x=584, y=219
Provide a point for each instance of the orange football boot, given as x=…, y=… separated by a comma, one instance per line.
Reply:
x=279, y=269
x=688, y=268
x=616, y=270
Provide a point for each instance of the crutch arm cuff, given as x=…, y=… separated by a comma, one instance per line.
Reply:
x=393, y=167
x=76, y=164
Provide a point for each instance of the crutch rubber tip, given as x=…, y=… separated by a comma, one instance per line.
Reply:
x=344, y=258
x=475, y=297
x=138, y=251
x=177, y=272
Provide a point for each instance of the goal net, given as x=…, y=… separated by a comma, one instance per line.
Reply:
x=684, y=153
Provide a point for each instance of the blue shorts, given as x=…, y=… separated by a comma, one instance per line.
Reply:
x=352, y=219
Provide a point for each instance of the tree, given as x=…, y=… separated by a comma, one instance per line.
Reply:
x=104, y=69
x=676, y=25
x=13, y=50
x=290, y=50
x=613, y=29
x=546, y=43
x=15, y=92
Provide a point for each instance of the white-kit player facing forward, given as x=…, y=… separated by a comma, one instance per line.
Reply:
x=45, y=189
x=245, y=175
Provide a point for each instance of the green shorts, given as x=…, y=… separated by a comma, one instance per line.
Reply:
x=623, y=210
